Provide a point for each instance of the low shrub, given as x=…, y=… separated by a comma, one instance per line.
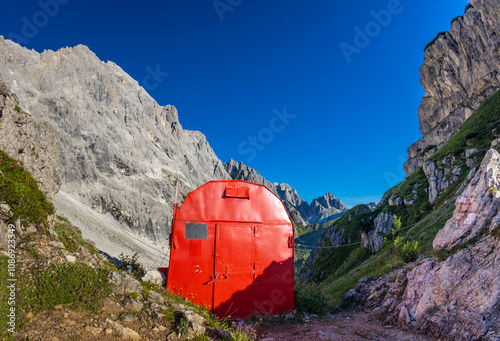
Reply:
x=310, y=299
x=442, y=255
x=432, y=310
x=71, y=236
x=75, y=283
x=130, y=263
x=496, y=232
x=407, y=251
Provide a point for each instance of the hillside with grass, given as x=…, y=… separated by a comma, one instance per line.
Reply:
x=336, y=268
x=414, y=210
x=54, y=285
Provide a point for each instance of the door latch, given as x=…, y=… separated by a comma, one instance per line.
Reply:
x=212, y=278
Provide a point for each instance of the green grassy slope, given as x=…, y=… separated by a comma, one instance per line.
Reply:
x=336, y=270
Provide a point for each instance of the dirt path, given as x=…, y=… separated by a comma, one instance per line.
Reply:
x=344, y=326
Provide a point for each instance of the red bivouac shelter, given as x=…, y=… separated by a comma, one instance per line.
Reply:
x=231, y=250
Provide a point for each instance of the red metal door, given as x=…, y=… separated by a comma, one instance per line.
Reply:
x=274, y=274
x=234, y=269
x=191, y=275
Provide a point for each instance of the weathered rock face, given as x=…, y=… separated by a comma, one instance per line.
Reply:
x=460, y=64
x=240, y=171
x=287, y=193
x=33, y=143
x=122, y=153
x=477, y=207
x=441, y=175
x=460, y=70
x=294, y=214
x=296, y=206
x=373, y=240
x=458, y=298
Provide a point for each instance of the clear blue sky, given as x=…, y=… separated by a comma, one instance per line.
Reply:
x=291, y=88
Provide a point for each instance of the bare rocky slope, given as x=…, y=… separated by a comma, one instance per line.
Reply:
x=107, y=144
x=461, y=69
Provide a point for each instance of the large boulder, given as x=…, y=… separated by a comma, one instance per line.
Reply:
x=477, y=207
x=154, y=277
x=124, y=284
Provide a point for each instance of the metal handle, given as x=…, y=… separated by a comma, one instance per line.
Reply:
x=212, y=278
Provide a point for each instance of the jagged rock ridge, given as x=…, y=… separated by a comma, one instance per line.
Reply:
x=320, y=210
x=240, y=171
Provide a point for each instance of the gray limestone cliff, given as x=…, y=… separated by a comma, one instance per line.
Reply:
x=86, y=128
x=297, y=207
x=35, y=143
x=461, y=69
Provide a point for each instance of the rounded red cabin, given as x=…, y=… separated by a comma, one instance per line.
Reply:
x=231, y=250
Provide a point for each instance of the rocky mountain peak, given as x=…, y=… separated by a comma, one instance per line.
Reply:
x=287, y=193
x=319, y=211
x=325, y=208
x=460, y=70
x=122, y=154
x=329, y=200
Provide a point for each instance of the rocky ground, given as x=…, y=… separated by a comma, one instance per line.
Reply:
x=66, y=324
x=346, y=325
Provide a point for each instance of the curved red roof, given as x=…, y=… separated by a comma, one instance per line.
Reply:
x=233, y=200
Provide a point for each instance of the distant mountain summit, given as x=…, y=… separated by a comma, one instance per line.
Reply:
x=325, y=208
x=321, y=209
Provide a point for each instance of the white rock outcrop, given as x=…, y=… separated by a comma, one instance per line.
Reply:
x=477, y=208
